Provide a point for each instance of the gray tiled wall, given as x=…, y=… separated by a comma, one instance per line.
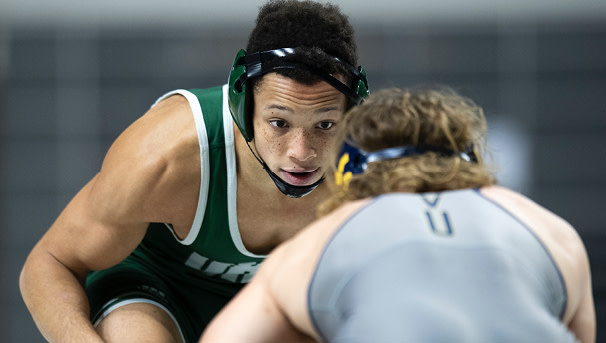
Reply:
x=68, y=93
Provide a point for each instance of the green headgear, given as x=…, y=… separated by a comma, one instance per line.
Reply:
x=248, y=66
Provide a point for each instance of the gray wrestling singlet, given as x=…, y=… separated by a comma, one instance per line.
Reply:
x=437, y=267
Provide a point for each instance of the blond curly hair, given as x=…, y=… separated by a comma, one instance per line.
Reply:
x=393, y=117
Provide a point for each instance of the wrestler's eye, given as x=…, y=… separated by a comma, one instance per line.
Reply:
x=325, y=125
x=278, y=123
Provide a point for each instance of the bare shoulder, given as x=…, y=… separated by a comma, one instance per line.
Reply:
x=545, y=223
x=561, y=240
x=150, y=174
x=153, y=161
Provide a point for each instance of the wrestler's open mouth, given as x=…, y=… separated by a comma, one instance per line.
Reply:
x=300, y=174
x=300, y=178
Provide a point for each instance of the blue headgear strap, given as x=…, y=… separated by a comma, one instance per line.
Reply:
x=355, y=160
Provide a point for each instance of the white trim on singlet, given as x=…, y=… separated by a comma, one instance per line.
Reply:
x=232, y=181
x=204, y=164
x=125, y=302
x=230, y=157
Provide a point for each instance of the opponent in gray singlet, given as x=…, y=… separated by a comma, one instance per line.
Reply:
x=437, y=267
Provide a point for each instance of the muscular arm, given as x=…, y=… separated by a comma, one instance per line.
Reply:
x=583, y=323
x=569, y=253
x=53, y=275
x=580, y=314
x=107, y=219
x=567, y=249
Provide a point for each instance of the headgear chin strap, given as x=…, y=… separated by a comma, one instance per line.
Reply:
x=286, y=188
x=289, y=190
x=353, y=160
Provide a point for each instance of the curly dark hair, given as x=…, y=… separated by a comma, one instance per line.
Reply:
x=315, y=30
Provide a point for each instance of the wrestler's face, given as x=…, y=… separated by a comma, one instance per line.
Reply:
x=294, y=126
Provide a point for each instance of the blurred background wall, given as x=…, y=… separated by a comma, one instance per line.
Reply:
x=74, y=74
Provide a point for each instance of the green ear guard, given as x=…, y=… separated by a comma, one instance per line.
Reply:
x=248, y=66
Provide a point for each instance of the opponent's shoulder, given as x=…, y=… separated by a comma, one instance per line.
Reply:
x=544, y=222
x=506, y=196
x=524, y=207
x=559, y=237
x=556, y=233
